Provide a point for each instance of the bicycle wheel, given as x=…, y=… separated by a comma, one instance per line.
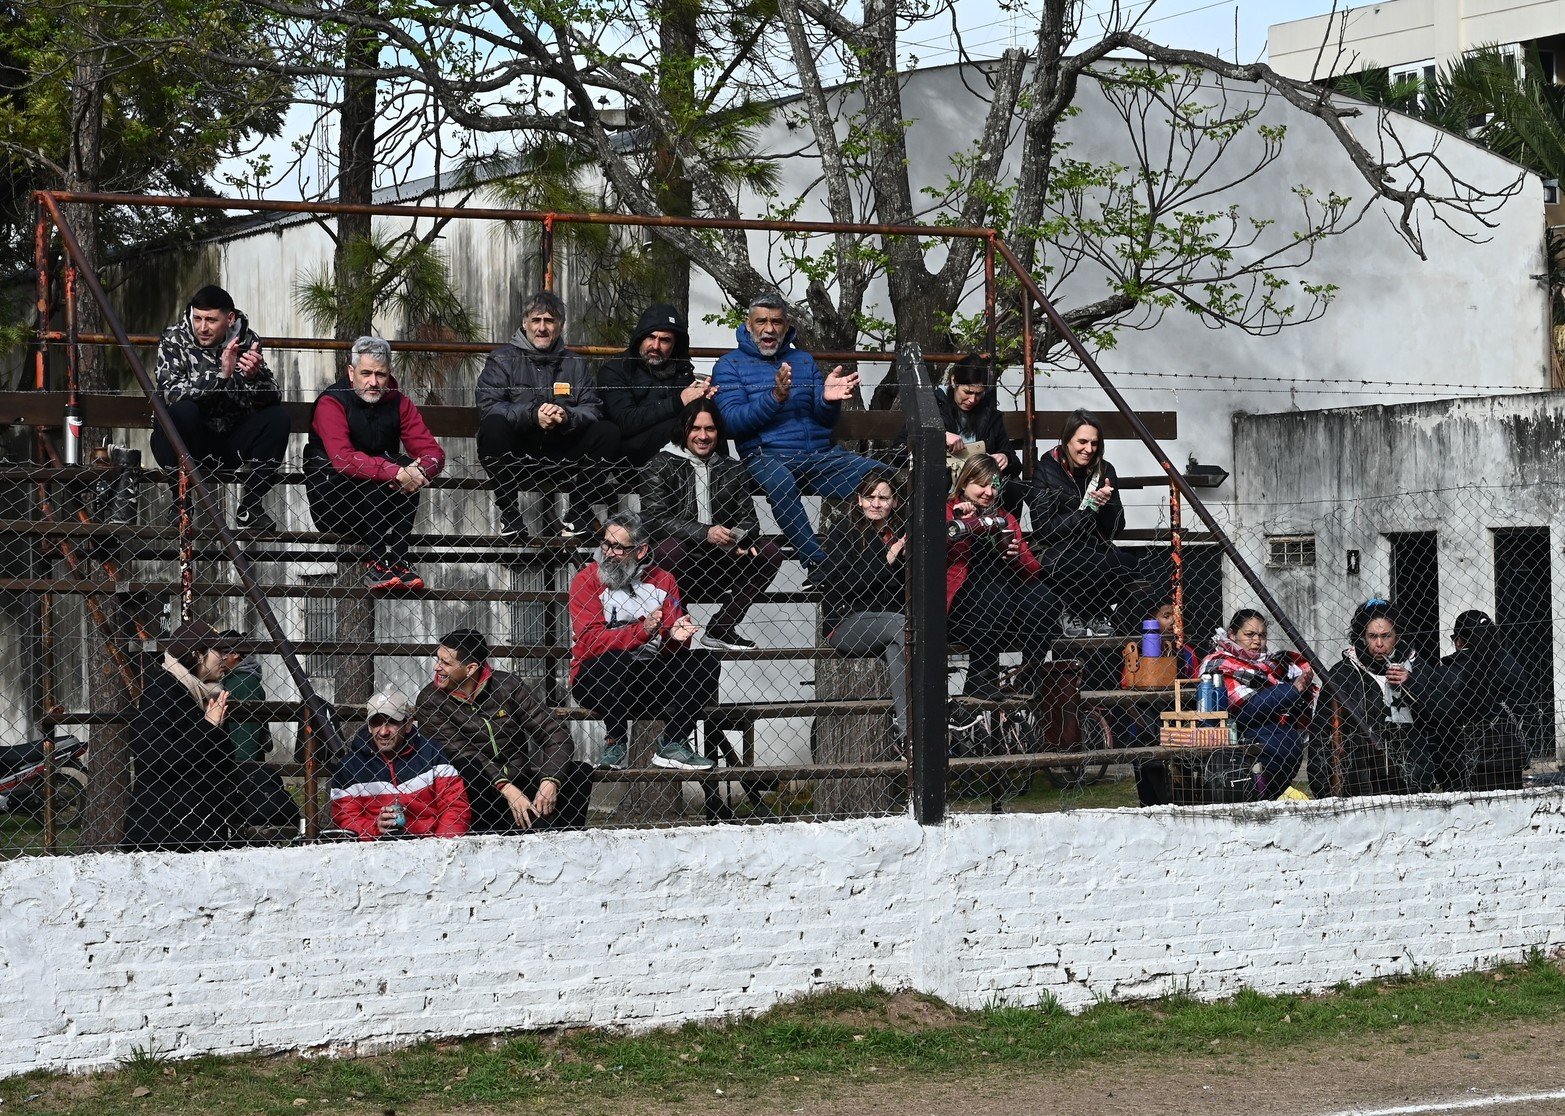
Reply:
x=1096, y=736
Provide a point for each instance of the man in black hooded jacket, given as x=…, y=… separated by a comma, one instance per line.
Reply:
x=647, y=387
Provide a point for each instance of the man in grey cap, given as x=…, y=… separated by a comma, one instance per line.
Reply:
x=396, y=782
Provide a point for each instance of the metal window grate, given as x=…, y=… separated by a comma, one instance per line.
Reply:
x=1290, y=551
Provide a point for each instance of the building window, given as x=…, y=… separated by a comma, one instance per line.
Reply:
x=319, y=623
x=1287, y=552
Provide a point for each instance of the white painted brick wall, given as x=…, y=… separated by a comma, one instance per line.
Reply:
x=377, y=945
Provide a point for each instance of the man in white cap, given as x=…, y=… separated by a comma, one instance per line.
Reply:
x=396, y=782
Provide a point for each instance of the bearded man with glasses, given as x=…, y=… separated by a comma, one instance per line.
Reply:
x=632, y=650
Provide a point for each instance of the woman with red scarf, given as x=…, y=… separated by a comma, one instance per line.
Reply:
x=1268, y=698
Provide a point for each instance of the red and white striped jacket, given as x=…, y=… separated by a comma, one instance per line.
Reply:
x=420, y=778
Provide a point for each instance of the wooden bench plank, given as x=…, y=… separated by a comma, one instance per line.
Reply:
x=45, y=408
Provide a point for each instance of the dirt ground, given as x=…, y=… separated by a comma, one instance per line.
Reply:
x=1451, y=1071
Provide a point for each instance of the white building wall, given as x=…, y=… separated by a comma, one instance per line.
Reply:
x=1401, y=32
x=366, y=946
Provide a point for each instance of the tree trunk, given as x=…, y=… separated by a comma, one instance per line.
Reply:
x=677, y=38
x=108, y=790
x=355, y=673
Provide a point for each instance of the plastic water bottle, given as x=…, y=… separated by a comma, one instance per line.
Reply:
x=1151, y=640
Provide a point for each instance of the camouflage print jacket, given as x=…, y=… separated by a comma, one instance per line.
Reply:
x=186, y=370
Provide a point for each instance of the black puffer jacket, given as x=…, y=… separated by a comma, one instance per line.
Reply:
x=668, y=495
x=636, y=397
x=1055, y=502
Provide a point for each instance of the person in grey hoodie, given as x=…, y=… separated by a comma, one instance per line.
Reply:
x=541, y=424
x=698, y=506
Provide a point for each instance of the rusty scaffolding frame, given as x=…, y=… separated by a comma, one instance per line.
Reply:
x=319, y=726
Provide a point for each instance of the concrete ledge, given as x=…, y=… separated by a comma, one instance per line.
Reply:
x=365, y=946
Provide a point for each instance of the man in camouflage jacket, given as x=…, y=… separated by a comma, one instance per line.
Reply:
x=224, y=400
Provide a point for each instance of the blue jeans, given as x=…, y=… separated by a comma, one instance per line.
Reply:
x=788, y=477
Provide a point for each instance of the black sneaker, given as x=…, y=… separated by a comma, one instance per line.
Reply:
x=725, y=639
x=253, y=519
x=512, y=525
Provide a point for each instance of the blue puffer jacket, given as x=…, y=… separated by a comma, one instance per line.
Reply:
x=751, y=413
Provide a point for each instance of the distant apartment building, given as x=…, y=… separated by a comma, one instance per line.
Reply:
x=1414, y=38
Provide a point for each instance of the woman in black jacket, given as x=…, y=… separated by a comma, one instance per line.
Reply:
x=185, y=790
x=970, y=411
x=697, y=504
x=1387, y=699
x=1076, y=512
x=863, y=584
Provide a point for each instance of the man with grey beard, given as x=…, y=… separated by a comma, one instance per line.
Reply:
x=632, y=653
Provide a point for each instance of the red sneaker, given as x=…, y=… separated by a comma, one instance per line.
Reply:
x=407, y=576
x=379, y=577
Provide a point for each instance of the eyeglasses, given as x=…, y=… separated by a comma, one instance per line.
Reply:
x=617, y=548
x=1375, y=602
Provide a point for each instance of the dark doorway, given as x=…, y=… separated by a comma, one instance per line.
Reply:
x=1415, y=590
x=1203, y=588
x=1523, y=608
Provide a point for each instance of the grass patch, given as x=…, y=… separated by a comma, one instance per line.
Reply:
x=822, y=1041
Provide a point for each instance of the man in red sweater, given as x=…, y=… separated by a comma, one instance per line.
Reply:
x=368, y=455
x=631, y=652
x=396, y=782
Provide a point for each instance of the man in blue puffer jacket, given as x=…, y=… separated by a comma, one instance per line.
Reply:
x=780, y=409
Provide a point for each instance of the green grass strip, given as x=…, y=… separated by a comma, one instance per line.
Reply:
x=836, y=1036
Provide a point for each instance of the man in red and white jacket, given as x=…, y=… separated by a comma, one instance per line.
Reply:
x=359, y=480
x=395, y=782
x=632, y=657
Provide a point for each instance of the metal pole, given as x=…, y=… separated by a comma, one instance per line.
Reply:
x=1029, y=391
x=73, y=415
x=312, y=790
x=548, y=252
x=926, y=588
x=1176, y=557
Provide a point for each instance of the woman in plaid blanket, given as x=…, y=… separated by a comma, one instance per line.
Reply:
x=1268, y=698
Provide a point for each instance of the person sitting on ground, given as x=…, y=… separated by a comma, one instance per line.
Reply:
x=995, y=591
x=394, y=780
x=1268, y=698
x=1476, y=714
x=514, y=753
x=541, y=424
x=647, y=388
x=632, y=653
x=864, y=587
x=184, y=796
x=696, y=502
x=359, y=481
x=242, y=680
x=1378, y=684
x=780, y=409
x=969, y=405
x=1076, y=512
x=224, y=401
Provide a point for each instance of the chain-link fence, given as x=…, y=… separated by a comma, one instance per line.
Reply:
x=655, y=589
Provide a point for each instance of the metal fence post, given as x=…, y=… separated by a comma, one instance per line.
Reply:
x=926, y=587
